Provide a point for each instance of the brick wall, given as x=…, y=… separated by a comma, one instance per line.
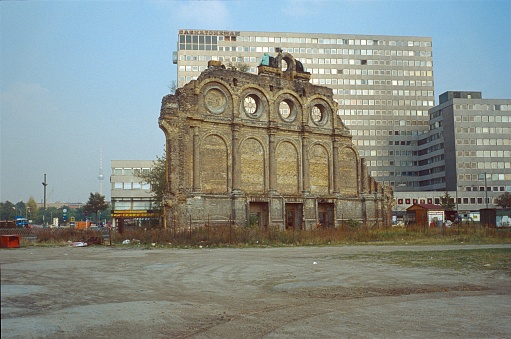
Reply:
x=267, y=147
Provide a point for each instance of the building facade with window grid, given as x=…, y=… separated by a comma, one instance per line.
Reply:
x=383, y=85
x=468, y=149
x=132, y=199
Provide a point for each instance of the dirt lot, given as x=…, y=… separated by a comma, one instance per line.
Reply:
x=298, y=292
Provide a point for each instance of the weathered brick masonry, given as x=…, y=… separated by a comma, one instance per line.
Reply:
x=266, y=149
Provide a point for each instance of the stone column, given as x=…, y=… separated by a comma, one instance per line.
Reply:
x=305, y=165
x=378, y=208
x=364, y=210
x=335, y=169
x=196, y=159
x=372, y=185
x=272, y=173
x=236, y=166
x=363, y=175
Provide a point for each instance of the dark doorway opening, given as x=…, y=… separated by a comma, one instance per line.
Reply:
x=294, y=214
x=326, y=215
x=258, y=214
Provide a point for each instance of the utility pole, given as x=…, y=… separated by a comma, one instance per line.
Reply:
x=44, y=201
x=485, y=190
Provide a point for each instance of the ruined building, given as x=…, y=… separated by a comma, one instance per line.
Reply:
x=266, y=149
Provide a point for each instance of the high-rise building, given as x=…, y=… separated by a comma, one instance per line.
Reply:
x=383, y=85
x=468, y=149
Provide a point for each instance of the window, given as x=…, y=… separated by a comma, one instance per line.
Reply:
x=284, y=110
x=141, y=205
x=122, y=205
x=317, y=115
x=251, y=104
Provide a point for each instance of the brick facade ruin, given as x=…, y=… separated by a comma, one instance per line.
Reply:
x=266, y=149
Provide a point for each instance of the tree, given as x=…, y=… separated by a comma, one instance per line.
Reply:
x=79, y=214
x=96, y=204
x=504, y=200
x=53, y=212
x=20, y=208
x=157, y=178
x=238, y=66
x=8, y=210
x=447, y=202
x=32, y=208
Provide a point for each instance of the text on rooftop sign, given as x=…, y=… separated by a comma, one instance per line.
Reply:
x=207, y=32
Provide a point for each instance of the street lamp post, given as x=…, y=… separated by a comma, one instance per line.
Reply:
x=457, y=205
x=457, y=208
x=485, y=191
x=44, y=204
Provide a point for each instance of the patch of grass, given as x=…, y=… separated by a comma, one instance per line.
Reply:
x=496, y=259
x=246, y=236
x=66, y=234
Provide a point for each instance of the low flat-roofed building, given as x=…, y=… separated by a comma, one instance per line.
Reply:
x=132, y=200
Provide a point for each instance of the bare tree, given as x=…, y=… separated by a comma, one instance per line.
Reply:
x=156, y=178
x=238, y=66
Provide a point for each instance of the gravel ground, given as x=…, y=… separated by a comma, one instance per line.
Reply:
x=297, y=292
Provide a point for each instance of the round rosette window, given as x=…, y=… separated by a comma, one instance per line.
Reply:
x=252, y=105
x=319, y=114
x=287, y=110
x=215, y=100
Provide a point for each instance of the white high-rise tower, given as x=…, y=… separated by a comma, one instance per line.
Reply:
x=383, y=85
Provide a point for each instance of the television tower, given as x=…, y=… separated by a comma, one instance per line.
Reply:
x=101, y=176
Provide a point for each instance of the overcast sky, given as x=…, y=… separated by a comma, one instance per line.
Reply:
x=79, y=75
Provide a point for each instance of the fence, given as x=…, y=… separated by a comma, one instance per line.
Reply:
x=55, y=234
